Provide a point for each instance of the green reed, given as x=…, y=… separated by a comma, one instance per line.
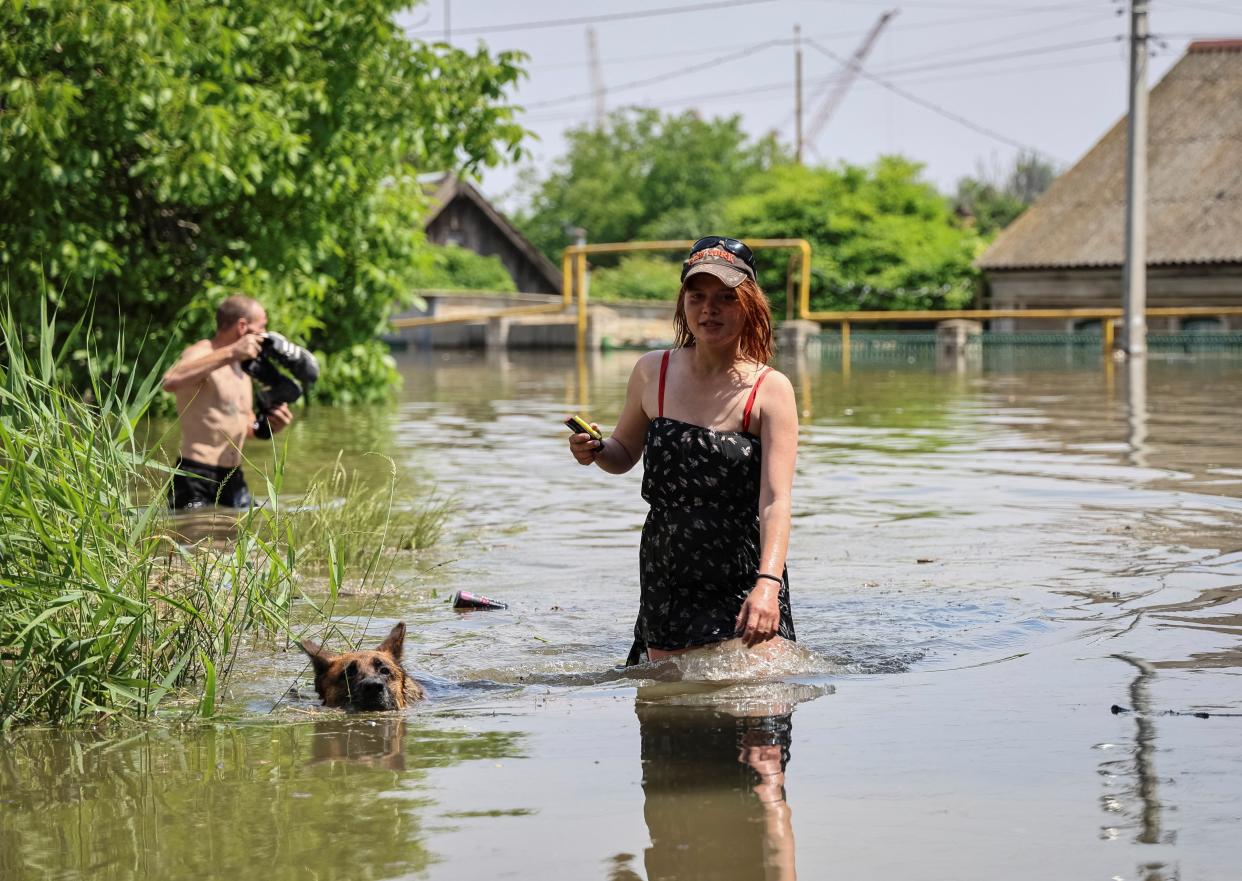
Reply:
x=361, y=518
x=100, y=612
x=105, y=610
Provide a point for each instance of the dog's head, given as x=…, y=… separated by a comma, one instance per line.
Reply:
x=367, y=680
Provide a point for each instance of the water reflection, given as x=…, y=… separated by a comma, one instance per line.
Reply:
x=209, y=527
x=379, y=742
x=1146, y=789
x=333, y=798
x=714, y=763
x=1136, y=411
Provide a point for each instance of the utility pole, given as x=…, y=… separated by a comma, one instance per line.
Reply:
x=597, y=77
x=448, y=22
x=798, y=93
x=1135, y=274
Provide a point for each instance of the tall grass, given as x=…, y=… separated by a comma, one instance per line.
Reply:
x=100, y=612
x=361, y=520
x=104, y=608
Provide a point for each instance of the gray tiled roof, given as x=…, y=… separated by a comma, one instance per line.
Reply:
x=1194, y=185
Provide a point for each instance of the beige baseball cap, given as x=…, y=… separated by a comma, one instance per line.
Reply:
x=720, y=263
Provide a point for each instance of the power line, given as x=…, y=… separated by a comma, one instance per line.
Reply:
x=788, y=118
x=898, y=71
x=1028, y=68
x=626, y=59
x=1015, y=53
x=615, y=16
x=1192, y=35
x=832, y=35
x=971, y=75
x=935, y=108
x=981, y=7
x=1009, y=38
x=1206, y=7
x=662, y=77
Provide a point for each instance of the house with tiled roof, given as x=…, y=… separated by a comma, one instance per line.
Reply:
x=1067, y=249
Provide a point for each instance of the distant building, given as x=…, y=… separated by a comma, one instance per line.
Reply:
x=1067, y=249
x=460, y=215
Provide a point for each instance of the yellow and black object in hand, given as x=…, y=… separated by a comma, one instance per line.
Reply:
x=578, y=425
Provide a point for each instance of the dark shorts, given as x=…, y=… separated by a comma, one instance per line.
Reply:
x=208, y=485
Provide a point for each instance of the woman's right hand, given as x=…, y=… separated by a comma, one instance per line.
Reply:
x=585, y=448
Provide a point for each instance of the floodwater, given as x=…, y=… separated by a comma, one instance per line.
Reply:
x=1018, y=593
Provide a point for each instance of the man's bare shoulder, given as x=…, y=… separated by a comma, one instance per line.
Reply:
x=196, y=350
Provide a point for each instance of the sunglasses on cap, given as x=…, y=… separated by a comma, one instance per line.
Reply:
x=737, y=248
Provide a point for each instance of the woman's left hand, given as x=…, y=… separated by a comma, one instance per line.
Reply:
x=761, y=614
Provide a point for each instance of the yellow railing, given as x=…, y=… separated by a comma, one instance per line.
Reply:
x=573, y=282
x=845, y=319
x=484, y=315
x=574, y=260
x=574, y=292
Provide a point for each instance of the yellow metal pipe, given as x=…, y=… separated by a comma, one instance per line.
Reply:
x=677, y=245
x=463, y=317
x=1107, y=334
x=567, y=279
x=845, y=348
x=1191, y=311
x=578, y=252
x=880, y=317
x=804, y=294
x=582, y=299
x=875, y=316
x=789, y=286
x=583, y=404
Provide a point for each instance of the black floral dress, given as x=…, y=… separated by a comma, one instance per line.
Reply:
x=700, y=544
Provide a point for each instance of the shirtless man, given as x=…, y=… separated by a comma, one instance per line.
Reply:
x=215, y=401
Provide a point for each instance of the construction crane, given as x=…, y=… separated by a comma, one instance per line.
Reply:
x=597, y=77
x=852, y=68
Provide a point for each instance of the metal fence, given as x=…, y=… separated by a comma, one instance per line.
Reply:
x=912, y=346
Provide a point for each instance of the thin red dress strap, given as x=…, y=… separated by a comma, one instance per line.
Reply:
x=663, y=371
x=750, y=402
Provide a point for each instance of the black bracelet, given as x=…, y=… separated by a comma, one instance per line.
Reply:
x=779, y=581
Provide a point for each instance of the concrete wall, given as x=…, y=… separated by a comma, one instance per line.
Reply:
x=613, y=324
x=1088, y=288
x=448, y=303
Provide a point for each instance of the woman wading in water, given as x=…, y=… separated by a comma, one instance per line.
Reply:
x=718, y=431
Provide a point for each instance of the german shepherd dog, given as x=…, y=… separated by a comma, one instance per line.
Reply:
x=366, y=680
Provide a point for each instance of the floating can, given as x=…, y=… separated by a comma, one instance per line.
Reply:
x=466, y=600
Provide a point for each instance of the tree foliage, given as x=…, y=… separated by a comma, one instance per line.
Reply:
x=637, y=277
x=994, y=200
x=881, y=237
x=155, y=155
x=451, y=267
x=643, y=175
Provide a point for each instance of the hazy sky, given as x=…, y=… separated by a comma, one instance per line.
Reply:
x=1048, y=75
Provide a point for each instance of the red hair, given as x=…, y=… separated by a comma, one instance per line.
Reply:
x=756, y=341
